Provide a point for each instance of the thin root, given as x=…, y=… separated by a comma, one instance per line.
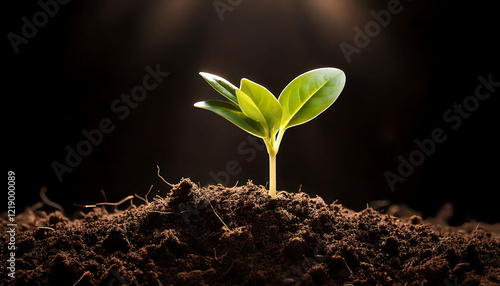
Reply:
x=163, y=178
x=36, y=206
x=307, y=261
x=349, y=268
x=150, y=188
x=145, y=199
x=46, y=200
x=160, y=212
x=141, y=198
x=86, y=273
x=105, y=203
x=218, y=216
x=116, y=204
x=230, y=267
x=104, y=195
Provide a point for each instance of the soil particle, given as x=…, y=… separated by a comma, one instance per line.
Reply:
x=416, y=219
x=236, y=236
x=391, y=246
x=116, y=240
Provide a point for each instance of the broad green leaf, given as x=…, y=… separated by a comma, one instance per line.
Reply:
x=260, y=105
x=223, y=86
x=234, y=114
x=310, y=94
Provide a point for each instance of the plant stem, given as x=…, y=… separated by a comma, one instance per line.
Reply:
x=272, y=174
x=278, y=140
x=272, y=151
x=272, y=145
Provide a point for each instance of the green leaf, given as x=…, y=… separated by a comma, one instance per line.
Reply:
x=223, y=86
x=310, y=94
x=260, y=105
x=234, y=114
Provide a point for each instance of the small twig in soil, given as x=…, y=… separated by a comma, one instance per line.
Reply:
x=306, y=260
x=160, y=212
x=230, y=267
x=46, y=228
x=141, y=198
x=116, y=204
x=145, y=199
x=125, y=234
x=105, y=203
x=217, y=258
x=86, y=273
x=347, y=265
x=218, y=215
x=104, y=195
x=158, y=167
x=46, y=200
x=36, y=206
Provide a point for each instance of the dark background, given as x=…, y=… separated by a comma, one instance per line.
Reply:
x=90, y=52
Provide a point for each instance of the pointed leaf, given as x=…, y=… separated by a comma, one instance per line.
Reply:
x=234, y=114
x=259, y=104
x=309, y=95
x=223, y=86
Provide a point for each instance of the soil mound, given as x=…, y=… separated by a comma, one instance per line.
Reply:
x=236, y=236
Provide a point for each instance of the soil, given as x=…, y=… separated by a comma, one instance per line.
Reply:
x=235, y=236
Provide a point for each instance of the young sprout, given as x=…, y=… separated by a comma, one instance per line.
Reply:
x=257, y=111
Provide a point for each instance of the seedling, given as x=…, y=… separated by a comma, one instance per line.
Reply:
x=256, y=110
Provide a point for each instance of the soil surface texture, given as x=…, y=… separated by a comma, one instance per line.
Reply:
x=235, y=236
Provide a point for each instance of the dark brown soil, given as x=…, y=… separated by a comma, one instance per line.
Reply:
x=235, y=236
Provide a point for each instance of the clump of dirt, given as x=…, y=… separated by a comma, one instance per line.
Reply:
x=236, y=236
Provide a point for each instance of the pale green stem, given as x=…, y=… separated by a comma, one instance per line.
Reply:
x=272, y=167
x=272, y=145
x=278, y=140
x=272, y=175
